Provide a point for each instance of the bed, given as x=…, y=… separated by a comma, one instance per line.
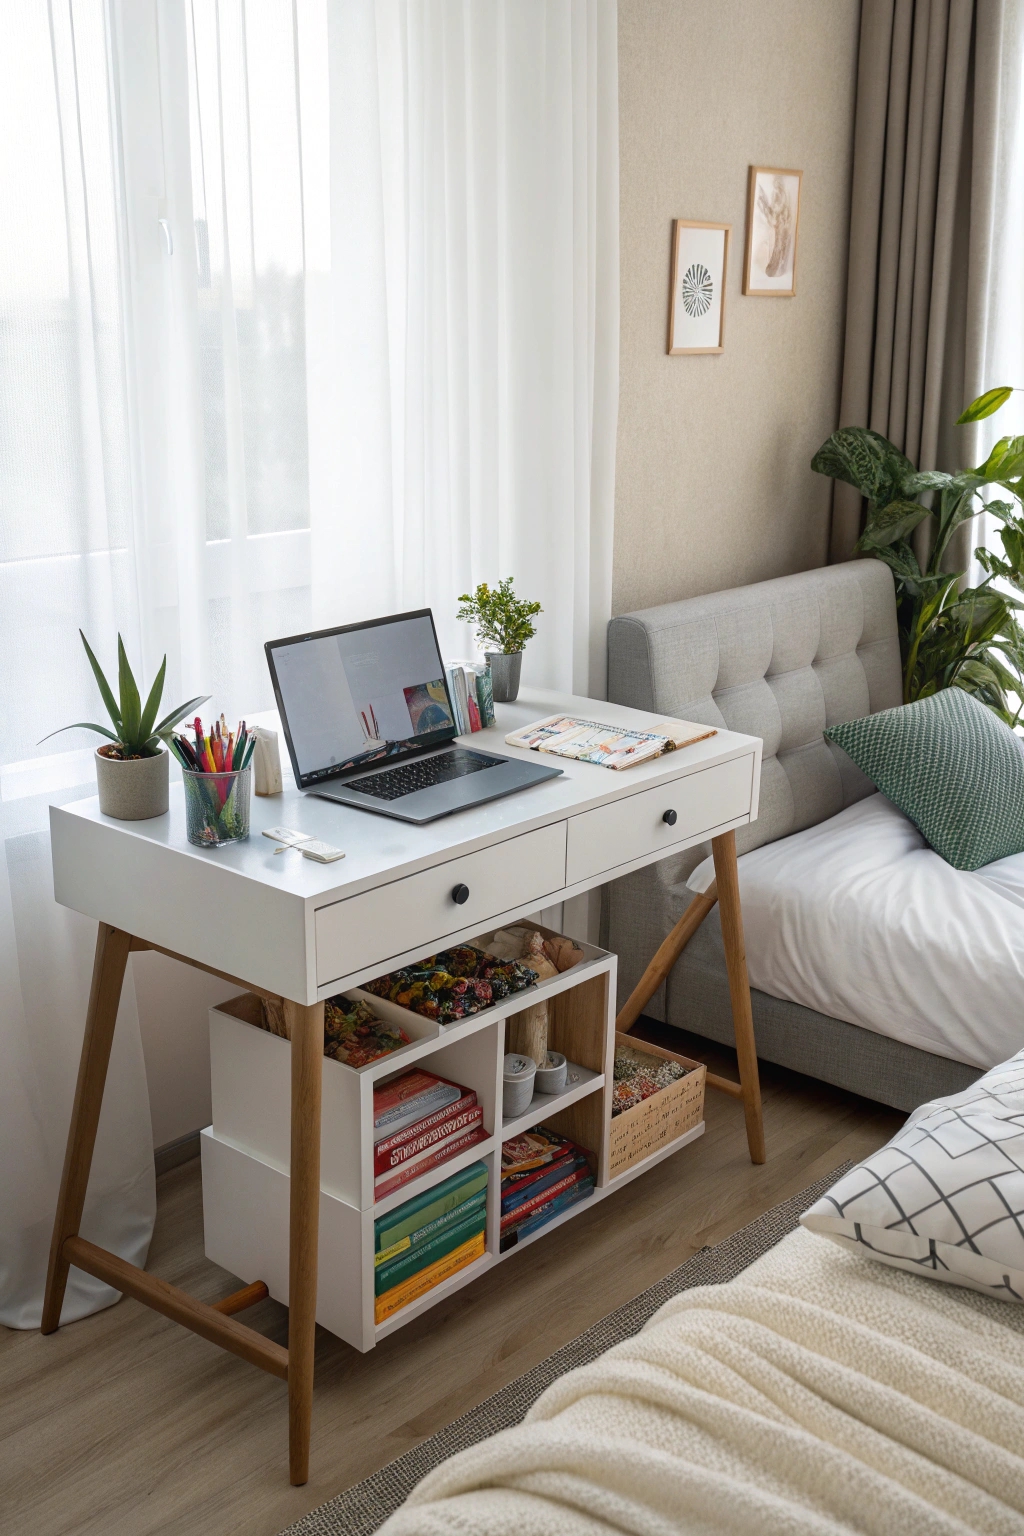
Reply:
x=819, y=1392
x=859, y=953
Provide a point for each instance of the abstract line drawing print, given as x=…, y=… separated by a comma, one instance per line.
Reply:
x=698, y=290
x=773, y=215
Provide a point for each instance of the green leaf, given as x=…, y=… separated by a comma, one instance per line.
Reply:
x=863, y=459
x=152, y=703
x=925, y=480
x=893, y=521
x=105, y=692
x=1005, y=462
x=81, y=725
x=986, y=405
x=131, y=704
x=178, y=714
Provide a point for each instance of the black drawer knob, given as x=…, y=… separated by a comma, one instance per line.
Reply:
x=460, y=893
x=670, y=817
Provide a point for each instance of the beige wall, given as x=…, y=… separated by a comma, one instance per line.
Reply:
x=713, y=487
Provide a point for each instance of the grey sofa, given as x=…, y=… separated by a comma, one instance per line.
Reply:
x=780, y=660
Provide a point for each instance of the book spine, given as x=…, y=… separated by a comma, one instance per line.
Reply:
x=415, y=1107
x=454, y=693
x=426, y=1207
x=399, y=1296
x=474, y=708
x=546, y=1213
x=522, y=1211
x=393, y=1181
x=396, y=1093
x=432, y=1141
x=463, y=692
x=529, y=1186
x=422, y=1235
x=409, y=1133
x=485, y=696
x=402, y=1268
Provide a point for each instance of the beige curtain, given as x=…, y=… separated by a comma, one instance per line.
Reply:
x=938, y=95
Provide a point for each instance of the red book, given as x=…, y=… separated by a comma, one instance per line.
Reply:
x=522, y=1211
x=428, y=1138
x=474, y=709
x=394, y=1103
x=424, y=1123
x=392, y=1181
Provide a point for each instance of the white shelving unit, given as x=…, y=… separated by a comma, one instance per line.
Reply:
x=246, y=1149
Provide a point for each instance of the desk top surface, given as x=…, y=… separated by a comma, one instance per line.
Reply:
x=379, y=848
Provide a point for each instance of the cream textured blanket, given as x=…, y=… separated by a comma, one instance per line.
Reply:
x=819, y=1392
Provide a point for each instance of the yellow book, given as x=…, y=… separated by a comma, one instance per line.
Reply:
x=399, y=1296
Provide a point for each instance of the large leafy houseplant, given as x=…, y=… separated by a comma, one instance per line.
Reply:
x=951, y=634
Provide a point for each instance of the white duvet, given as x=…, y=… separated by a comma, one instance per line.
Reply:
x=818, y=1394
x=858, y=918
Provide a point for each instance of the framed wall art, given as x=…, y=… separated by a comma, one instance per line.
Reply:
x=700, y=261
x=773, y=219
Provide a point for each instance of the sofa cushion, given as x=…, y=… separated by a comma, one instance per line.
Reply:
x=952, y=766
x=945, y=1197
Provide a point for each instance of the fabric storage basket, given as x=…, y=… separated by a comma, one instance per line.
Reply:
x=655, y=1123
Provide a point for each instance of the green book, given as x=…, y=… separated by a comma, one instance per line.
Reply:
x=411, y=1262
x=424, y=1234
x=426, y=1207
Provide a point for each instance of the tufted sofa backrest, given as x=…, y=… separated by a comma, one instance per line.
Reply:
x=781, y=660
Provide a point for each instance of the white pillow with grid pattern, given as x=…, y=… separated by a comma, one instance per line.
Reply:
x=945, y=1197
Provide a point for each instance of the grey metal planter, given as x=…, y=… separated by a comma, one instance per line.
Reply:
x=132, y=791
x=505, y=672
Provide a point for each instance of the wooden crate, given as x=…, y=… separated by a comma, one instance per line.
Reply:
x=655, y=1123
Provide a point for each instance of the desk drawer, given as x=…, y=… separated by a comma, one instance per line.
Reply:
x=627, y=829
x=420, y=910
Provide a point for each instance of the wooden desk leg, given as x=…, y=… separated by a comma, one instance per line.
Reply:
x=112, y=948
x=724, y=850
x=306, y=1027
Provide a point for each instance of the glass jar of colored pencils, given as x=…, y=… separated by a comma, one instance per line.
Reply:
x=217, y=807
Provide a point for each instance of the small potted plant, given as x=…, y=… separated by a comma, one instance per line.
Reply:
x=131, y=771
x=503, y=626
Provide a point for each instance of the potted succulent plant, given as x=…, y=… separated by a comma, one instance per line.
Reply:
x=503, y=624
x=131, y=770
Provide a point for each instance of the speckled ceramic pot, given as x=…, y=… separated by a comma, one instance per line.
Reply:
x=132, y=791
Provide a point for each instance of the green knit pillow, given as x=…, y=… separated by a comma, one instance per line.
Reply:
x=952, y=766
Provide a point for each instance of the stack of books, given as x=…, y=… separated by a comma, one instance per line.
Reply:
x=420, y=1121
x=428, y=1239
x=542, y=1175
x=469, y=683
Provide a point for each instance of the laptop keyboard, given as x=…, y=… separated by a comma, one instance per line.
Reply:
x=393, y=783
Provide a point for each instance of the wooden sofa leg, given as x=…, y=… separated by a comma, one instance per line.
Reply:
x=724, y=850
x=112, y=947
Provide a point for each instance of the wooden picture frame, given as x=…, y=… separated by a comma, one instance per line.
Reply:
x=778, y=205
x=700, y=266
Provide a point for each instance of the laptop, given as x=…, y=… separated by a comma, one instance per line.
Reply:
x=369, y=722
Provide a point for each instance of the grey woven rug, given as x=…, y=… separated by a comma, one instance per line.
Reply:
x=362, y=1509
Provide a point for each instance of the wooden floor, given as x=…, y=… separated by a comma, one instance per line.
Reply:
x=124, y=1424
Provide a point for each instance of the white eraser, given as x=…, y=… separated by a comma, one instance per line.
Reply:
x=323, y=853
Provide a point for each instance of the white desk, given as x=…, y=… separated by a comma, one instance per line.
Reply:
x=285, y=927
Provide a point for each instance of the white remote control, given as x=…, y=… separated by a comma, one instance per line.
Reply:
x=323, y=853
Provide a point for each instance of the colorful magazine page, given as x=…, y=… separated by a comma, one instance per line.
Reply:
x=607, y=746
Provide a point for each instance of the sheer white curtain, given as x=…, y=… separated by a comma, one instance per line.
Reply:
x=309, y=311
x=66, y=559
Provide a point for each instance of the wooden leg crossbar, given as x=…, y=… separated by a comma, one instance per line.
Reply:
x=726, y=891
x=217, y=1322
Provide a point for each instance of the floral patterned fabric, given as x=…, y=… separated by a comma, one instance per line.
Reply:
x=453, y=984
x=355, y=1035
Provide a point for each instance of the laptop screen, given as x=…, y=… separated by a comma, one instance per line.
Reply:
x=354, y=696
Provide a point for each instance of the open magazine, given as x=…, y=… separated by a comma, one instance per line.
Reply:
x=609, y=746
